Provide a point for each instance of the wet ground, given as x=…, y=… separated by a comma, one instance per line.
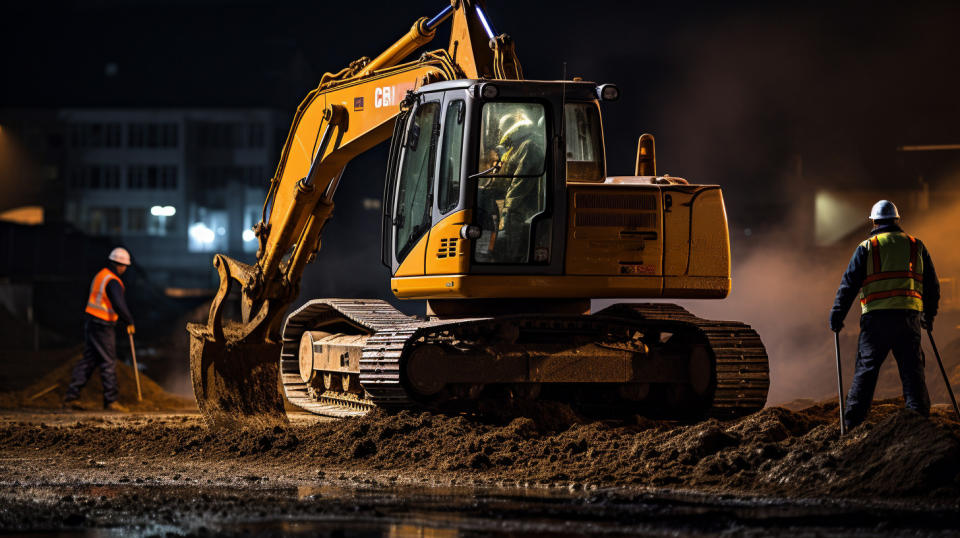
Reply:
x=362, y=510
x=98, y=474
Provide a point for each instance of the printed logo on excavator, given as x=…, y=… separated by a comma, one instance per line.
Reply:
x=383, y=96
x=390, y=95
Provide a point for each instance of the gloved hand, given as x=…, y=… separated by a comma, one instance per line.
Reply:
x=926, y=321
x=836, y=323
x=131, y=329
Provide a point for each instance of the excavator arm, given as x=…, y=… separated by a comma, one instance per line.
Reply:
x=347, y=114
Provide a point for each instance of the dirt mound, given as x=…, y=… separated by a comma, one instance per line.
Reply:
x=776, y=451
x=48, y=391
x=903, y=454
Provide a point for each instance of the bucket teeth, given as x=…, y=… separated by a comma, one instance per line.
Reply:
x=235, y=385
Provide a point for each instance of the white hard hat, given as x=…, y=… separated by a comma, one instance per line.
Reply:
x=884, y=209
x=119, y=255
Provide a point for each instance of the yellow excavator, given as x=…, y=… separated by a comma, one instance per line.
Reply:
x=498, y=211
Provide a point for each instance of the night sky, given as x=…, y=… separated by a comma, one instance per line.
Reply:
x=737, y=93
x=733, y=91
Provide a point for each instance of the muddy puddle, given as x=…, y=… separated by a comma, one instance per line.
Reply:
x=325, y=510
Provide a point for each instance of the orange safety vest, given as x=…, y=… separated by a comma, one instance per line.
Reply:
x=98, y=304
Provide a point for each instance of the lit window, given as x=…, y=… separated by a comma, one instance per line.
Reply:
x=251, y=216
x=207, y=231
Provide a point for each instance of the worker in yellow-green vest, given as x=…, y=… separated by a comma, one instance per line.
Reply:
x=899, y=293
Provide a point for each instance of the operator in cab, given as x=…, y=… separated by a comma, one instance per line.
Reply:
x=105, y=306
x=515, y=189
x=899, y=293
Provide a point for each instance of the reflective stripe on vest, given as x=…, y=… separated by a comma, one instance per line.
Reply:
x=98, y=304
x=894, y=274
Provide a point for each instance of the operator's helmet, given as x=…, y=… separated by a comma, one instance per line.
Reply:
x=514, y=129
x=119, y=255
x=884, y=209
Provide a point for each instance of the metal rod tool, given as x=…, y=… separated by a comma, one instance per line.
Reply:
x=136, y=371
x=836, y=342
x=946, y=379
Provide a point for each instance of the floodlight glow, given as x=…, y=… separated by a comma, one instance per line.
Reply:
x=483, y=21
x=201, y=233
x=163, y=211
x=248, y=235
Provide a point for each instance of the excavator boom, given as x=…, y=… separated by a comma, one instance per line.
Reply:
x=347, y=114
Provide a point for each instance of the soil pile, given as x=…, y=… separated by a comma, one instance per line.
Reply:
x=48, y=391
x=776, y=451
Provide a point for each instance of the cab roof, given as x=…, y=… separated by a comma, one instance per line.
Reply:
x=514, y=88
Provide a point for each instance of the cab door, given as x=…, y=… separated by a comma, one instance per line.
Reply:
x=412, y=201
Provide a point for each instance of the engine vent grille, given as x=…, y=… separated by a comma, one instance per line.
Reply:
x=636, y=220
x=448, y=247
x=637, y=202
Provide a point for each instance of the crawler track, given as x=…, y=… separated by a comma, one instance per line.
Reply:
x=364, y=316
x=743, y=373
x=740, y=386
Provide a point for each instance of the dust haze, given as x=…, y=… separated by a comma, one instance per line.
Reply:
x=785, y=290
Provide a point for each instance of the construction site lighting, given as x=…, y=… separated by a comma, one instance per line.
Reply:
x=608, y=92
x=486, y=25
x=489, y=91
x=163, y=211
x=248, y=235
x=930, y=147
x=201, y=233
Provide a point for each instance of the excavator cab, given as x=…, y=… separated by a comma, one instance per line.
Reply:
x=476, y=181
x=498, y=191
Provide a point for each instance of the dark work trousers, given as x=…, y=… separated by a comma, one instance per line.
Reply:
x=100, y=349
x=880, y=332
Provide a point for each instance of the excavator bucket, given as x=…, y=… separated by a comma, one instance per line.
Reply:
x=236, y=383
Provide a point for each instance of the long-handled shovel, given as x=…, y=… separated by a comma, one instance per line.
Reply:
x=946, y=379
x=136, y=371
x=836, y=342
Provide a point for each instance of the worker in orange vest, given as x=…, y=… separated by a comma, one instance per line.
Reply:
x=105, y=305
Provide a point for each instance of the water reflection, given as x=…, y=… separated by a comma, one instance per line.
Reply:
x=323, y=509
x=420, y=531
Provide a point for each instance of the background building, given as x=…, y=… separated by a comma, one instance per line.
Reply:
x=173, y=185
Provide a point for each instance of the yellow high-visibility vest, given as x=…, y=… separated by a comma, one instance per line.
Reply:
x=894, y=273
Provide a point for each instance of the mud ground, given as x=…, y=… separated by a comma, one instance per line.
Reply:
x=775, y=472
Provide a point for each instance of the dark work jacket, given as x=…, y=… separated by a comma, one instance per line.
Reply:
x=115, y=294
x=857, y=271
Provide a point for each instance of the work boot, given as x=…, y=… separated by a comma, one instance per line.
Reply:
x=117, y=406
x=72, y=404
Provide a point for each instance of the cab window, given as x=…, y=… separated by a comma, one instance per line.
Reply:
x=584, y=142
x=419, y=151
x=449, y=195
x=512, y=189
